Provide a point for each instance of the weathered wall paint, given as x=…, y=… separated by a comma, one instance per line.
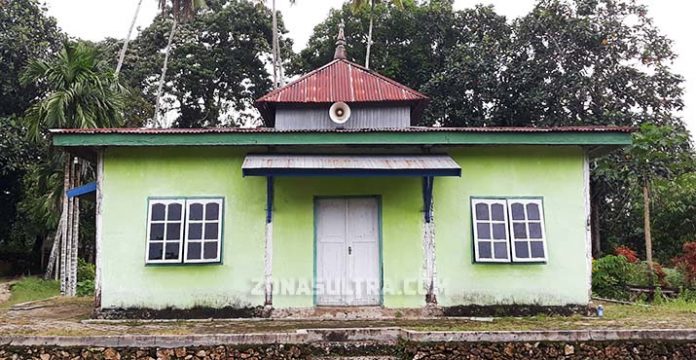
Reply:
x=554, y=173
x=133, y=174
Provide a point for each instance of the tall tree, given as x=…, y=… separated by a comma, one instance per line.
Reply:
x=357, y=4
x=278, y=76
x=26, y=33
x=124, y=48
x=216, y=65
x=181, y=11
x=81, y=91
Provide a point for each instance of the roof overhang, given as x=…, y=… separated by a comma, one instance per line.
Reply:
x=582, y=136
x=349, y=165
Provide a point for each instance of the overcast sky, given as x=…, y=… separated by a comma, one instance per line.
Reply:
x=97, y=19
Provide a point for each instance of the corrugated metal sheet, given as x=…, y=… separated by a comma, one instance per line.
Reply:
x=342, y=80
x=222, y=130
x=362, y=117
x=361, y=162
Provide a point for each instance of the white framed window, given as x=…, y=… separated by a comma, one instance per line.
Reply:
x=203, y=230
x=165, y=231
x=491, y=239
x=528, y=237
x=183, y=230
x=508, y=230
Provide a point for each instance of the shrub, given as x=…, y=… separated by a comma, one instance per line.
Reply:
x=627, y=252
x=674, y=278
x=686, y=262
x=610, y=275
x=85, y=278
x=659, y=297
x=640, y=274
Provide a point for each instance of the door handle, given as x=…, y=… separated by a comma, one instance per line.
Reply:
x=350, y=250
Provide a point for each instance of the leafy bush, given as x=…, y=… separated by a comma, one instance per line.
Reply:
x=85, y=278
x=686, y=262
x=641, y=275
x=85, y=288
x=674, y=278
x=627, y=252
x=610, y=275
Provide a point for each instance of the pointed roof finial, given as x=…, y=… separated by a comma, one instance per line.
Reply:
x=340, y=42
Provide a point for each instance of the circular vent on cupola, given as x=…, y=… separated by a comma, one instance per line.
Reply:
x=339, y=112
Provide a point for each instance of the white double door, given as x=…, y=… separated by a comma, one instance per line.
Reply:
x=348, y=258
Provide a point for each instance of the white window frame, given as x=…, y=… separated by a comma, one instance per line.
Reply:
x=202, y=241
x=183, y=229
x=166, y=203
x=540, y=204
x=489, y=202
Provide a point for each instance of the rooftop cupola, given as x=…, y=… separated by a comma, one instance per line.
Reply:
x=342, y=95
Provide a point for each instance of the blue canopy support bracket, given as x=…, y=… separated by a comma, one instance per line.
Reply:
x=82, y=190
x=269, y=199
x=428, y=198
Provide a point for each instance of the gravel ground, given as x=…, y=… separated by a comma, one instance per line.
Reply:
x=65, y=316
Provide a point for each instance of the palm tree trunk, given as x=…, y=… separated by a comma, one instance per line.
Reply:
x=274, y=47
x=72, y=283
x=50, y=267
x=646, y=224
x=158, y=101
x=122, y=54
x=369, y=34
x=64, y=225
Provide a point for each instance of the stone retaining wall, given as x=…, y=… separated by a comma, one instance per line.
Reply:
x=392, y=342
x=403, y=350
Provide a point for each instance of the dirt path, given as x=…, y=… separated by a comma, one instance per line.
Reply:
x=5, y=291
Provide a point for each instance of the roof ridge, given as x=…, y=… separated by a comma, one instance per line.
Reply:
x=303, y=77
x=273, y=95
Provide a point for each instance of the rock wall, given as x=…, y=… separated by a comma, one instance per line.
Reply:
x=403, y=350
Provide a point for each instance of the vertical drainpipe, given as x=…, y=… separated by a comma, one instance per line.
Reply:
x=429, y=241
x=99, y=261
x=268, y=246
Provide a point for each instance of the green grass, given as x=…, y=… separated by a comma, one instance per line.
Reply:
x=31, y=289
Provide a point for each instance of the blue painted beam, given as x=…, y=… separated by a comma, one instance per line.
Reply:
x=350, y=172
x=82, y=190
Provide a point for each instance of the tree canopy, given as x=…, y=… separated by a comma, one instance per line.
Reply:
x=217, y=66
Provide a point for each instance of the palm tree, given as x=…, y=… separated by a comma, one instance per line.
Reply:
x=124, y=48
x=82, y=92
x=361, y=3
x=182, y=11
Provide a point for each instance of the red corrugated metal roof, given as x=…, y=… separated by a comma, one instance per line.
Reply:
x=563, y=129
x=342, y=80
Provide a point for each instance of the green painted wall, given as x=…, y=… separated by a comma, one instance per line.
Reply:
x=556, y=174
x=133, y=174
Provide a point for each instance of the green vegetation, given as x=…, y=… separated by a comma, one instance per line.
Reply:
x=32, y=289
x=85, y=278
